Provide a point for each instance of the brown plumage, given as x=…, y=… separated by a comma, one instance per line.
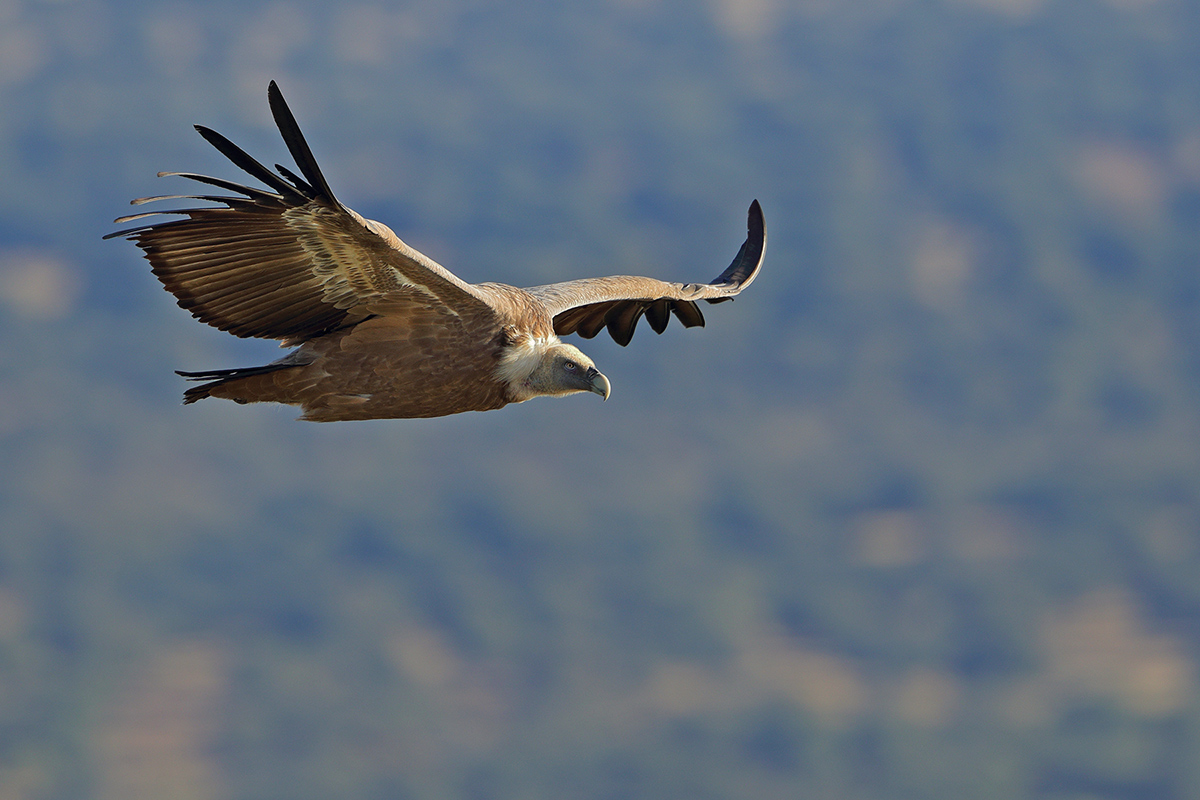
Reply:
x=381, y=330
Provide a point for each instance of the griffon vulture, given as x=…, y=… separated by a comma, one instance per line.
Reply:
x=381, y=330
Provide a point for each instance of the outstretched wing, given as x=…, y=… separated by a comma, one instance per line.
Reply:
x=619, y=301
x=288, y=263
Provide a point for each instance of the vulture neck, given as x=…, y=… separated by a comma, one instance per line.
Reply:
x=519, y=360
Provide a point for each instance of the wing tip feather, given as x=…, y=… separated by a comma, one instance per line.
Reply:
x=749, y=259
x=297, y=145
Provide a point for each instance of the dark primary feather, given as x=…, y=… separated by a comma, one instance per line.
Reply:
x=296, y=143
x=220, y=183
x=249, y=165
x=744, y=268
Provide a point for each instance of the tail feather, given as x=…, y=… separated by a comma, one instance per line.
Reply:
x=222, y=377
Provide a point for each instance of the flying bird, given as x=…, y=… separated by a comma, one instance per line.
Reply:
x=380, y=330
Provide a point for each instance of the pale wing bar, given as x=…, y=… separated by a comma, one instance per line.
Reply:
x=619, y=302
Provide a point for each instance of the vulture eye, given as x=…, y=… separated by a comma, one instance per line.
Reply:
x=570, y=366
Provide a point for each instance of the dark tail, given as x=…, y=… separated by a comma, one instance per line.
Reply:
x=220, y=377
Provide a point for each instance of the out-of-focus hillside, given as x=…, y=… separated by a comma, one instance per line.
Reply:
x=916, y=517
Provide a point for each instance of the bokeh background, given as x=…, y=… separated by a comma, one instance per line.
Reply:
x=918, y=516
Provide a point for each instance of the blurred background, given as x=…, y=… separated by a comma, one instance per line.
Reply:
x=917, y=516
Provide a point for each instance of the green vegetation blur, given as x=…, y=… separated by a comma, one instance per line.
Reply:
x=916, y=517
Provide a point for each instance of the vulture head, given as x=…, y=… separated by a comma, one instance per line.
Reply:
x=553, y=368
x=564, y=369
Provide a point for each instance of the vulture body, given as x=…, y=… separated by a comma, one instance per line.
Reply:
x=379, y=329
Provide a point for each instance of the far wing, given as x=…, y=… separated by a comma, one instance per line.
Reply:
x=288, y=263
x=618, y=302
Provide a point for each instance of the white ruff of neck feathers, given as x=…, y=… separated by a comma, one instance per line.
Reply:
x=520, y=359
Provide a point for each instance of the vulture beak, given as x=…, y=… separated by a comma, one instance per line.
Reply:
x=599, y=383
